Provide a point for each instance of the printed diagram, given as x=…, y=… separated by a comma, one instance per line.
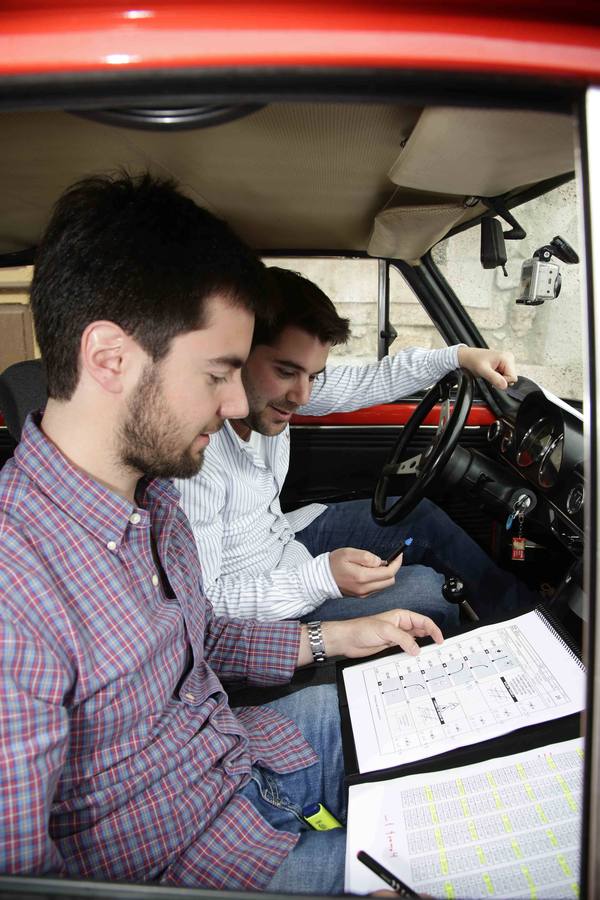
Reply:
x=447, y=692
x=474, y=686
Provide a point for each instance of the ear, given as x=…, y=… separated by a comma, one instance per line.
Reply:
x=105, y=349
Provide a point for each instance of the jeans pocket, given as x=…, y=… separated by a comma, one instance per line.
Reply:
x=270, y=791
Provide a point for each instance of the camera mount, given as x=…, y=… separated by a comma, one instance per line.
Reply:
x=540, y=278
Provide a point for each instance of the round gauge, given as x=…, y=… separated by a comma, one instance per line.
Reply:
x=550, y=465
x=575, y=499
x=535, y=442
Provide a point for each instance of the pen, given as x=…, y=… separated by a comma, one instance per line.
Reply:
x=394, y=882
x=405, y=543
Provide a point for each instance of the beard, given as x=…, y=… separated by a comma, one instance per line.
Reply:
x=259, y=417
x=151, y=439
x=262, y=423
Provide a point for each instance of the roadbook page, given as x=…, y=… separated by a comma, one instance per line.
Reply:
x=470, y=688
x=505, y=828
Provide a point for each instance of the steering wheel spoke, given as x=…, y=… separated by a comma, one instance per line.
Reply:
x=422, y=470
x=409, y=466
x=444, y=417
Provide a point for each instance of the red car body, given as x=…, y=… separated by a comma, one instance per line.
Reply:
x=50, y=46
x=546, y=39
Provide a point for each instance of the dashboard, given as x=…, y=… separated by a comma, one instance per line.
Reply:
x=544, y=445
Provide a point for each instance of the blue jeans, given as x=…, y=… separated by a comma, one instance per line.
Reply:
x=438, y=544
x=316, y=864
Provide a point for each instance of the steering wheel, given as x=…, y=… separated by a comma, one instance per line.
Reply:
x=424, y=470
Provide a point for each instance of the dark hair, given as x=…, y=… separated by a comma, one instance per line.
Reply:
x=137, y=252
x=291, y=299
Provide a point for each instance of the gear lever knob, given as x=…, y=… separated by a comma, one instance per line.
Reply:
x=453, y=590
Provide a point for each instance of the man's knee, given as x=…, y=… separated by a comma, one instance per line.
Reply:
x=313, y=707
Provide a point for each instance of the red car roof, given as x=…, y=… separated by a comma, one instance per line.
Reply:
x=544, y=38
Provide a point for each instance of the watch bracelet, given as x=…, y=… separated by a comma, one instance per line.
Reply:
x=316, y=642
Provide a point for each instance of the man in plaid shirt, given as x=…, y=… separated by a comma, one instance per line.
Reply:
x=120, y=757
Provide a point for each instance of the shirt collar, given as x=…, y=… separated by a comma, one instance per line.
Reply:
x=95, y=507
x=245, y=446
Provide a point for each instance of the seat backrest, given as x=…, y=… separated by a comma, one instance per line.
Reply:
x=22, y=389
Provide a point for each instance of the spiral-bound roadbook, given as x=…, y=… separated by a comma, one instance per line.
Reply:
x=399, y=710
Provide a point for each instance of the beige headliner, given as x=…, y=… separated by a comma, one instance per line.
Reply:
x=296, y=176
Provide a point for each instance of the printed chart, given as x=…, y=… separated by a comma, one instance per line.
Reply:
x=505, y=828
x=472, y=687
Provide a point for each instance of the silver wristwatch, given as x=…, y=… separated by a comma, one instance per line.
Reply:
x=317, y=644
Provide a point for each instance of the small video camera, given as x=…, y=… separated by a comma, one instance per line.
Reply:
x=541, y=279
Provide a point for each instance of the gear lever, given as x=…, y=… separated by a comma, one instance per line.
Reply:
x=453, y=591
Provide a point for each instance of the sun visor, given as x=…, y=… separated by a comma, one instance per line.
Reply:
x=407, y=232
x=483, y=153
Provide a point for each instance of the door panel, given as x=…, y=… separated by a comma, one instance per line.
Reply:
x=391, y=414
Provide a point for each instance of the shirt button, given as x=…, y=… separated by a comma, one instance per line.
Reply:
x=134, y=518
x=155, y=580
x=112, y=545
x=189, y=697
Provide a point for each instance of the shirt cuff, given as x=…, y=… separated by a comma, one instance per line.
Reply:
x=274, y=655
x=318, y=581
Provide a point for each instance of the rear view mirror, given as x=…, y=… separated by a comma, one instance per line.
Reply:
x=493, y=248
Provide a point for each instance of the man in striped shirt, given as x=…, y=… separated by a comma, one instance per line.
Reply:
x=120, y=756
x=325, y=560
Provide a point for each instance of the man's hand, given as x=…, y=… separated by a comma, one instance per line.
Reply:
x=496, y=366
x=368, y=635
x=359, y=573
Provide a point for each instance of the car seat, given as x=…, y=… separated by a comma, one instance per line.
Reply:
x=22, y=390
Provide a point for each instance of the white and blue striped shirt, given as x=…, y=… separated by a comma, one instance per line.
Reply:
x=252, y=565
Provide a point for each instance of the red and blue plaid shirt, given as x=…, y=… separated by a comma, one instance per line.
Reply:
x=119, y=755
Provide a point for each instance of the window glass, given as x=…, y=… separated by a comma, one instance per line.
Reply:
x=409, y=318
x=547, y=339
x=352, y=284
